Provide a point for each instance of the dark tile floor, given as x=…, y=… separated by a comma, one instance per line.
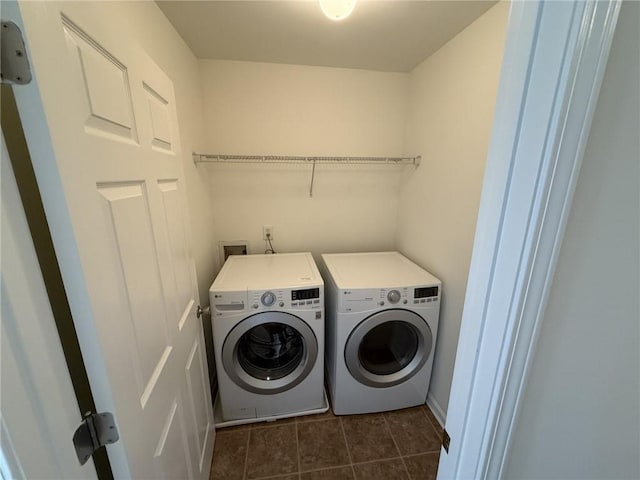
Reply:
x=403, y=444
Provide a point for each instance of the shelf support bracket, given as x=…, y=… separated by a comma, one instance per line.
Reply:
x=313, y=174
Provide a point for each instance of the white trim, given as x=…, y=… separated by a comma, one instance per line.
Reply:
x=10, y=467
x=554, y=62
x=436, y=409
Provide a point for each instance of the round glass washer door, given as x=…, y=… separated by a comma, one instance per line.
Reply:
x=269, y=352
x=388, y=347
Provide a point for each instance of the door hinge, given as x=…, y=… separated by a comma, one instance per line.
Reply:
x=14, y=64
x=446, y=440
x=95, y=431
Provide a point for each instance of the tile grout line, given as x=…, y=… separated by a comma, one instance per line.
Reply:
x=386, y=422
x=335, y=467
x=297, y=448
x=430, y=452
x=278, y=476
x=386, y=459
x=346, y=444
x=245, y=474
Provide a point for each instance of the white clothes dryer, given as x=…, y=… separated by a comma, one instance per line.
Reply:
x=382, y=322
x=268, y=332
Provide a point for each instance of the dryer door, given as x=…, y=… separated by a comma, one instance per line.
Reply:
x=269, y=352
x=388, y=347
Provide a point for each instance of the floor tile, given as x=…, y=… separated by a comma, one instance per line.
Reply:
x=422, y=467
x=412, y=431
x=229, y=455
x=321, y=444
x=384, y=470
x=272, y=451
x=340, y=473
x=368, y=438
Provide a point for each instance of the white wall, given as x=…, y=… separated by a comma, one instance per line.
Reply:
x=451, y=100
x=580, y=416
x=270, y=109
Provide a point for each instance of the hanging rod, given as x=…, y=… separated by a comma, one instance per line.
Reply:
x=216, y=158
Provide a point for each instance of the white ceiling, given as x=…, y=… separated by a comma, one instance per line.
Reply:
x=384, y=35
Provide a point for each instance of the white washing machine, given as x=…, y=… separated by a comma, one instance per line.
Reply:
x=267, y=313
x=382, y=322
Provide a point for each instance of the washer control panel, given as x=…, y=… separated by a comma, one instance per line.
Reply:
x=293, y=299
x=303, y=299
x=367, y=299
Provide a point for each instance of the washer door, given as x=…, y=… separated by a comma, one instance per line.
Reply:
x=269, y=352
x=388, y=347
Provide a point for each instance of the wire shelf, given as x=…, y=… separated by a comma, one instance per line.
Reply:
x=216, y=158
x=312, y=161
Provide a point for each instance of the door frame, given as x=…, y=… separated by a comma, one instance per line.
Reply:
x=513, y=252
x=555, y=58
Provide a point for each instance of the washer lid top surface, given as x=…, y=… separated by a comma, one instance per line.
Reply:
x=263, y=272
x=376, y=270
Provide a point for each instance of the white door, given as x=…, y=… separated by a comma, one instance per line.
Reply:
x=34, y=381
x=100, y=121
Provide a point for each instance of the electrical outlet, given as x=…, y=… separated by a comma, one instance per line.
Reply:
x=267, y=230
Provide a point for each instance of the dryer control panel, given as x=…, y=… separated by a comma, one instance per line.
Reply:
x=360, y=300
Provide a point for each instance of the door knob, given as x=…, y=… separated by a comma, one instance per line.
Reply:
x=203, y=311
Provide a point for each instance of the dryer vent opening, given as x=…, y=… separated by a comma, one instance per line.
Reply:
x=239, y=247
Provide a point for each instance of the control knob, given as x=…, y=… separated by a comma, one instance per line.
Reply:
x=393, y=296
x=268, y=299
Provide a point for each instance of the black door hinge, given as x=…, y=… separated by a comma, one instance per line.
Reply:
x=446, y=440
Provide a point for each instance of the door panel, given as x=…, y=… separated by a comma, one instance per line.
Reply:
x=114, y=172
x=105, y=84
x=172, y=448
x=127, y=212
x=198, y=398
x=159, y=117
x=180, y=260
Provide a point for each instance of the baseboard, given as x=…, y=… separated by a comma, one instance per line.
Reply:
x=437, y=410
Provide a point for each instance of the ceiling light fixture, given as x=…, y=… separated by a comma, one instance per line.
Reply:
x=337, y=9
